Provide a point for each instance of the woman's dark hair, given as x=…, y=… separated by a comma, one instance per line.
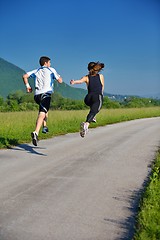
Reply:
x=43, y=59
x=95, y=67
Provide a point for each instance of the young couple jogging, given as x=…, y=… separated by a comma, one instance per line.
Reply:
x=44, y=78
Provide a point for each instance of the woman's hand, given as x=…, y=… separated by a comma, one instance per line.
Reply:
x=72, y=82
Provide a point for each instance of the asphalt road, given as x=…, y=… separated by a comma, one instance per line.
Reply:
x=70, y=188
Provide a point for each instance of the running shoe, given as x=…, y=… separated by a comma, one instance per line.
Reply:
x=83, y=129
x=45, y=130
x=94, y=120
x=34, y=138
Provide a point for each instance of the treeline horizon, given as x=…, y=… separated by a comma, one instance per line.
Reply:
x=21, y=101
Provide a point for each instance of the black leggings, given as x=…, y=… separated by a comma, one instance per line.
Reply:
x=94, y=101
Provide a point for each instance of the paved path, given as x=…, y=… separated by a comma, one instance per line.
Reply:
x=69, y=188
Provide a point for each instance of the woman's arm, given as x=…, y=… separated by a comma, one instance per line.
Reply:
x=102, y=82
x=82, y=80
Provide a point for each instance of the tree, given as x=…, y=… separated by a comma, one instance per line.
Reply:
x=1, y=101
x=107, y=103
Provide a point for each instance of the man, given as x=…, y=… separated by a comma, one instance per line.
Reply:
x=44, y=78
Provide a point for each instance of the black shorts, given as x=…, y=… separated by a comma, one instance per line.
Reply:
x=43, y=100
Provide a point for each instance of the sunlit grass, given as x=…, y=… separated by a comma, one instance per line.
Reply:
x=148, y=222
x=15, y=127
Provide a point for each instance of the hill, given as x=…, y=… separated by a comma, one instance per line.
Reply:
x=11, y=81
x=10, y=78
x=69, y=92
x=153, y=96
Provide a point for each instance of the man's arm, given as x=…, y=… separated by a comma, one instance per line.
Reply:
x=25, y=80
x=60, y=80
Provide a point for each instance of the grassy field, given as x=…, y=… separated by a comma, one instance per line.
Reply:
x=148, y=221
x=15, y=127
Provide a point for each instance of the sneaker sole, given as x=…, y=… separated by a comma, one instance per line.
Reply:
x=45, y=132
x=34, y=140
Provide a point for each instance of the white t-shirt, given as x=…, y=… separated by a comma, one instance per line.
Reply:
x=44, y=78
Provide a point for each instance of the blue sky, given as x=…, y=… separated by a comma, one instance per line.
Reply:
x=123, y=34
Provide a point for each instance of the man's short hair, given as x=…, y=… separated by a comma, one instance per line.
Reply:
x=43, y=59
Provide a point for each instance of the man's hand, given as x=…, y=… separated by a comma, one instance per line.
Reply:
x=29, y=90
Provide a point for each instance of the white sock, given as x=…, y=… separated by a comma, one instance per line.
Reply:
x=36, y=133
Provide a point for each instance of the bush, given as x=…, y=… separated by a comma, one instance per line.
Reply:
x=20, y=101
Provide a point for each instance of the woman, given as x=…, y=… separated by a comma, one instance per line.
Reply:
x=94, y=98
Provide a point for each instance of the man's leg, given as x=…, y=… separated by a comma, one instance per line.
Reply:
x=40, y=120
x=39, y=123
x=45, y=120
x=44, y=103
x=45, y=128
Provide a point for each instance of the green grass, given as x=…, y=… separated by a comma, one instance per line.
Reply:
x=148, y=221
x=15, y=127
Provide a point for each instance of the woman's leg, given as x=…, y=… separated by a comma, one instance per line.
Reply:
x=94, y=107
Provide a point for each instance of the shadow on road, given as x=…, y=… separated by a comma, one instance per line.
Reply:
x=29, y=149
x=128, y=225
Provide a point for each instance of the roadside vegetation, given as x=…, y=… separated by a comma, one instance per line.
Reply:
x=18, y=113
x=148, y=220
x=17, y=126
x=20, y=101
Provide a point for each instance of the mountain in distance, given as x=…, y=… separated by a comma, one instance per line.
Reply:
x=153, y=96
x=10, y=78
x=69, y=92
x=11, y=81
